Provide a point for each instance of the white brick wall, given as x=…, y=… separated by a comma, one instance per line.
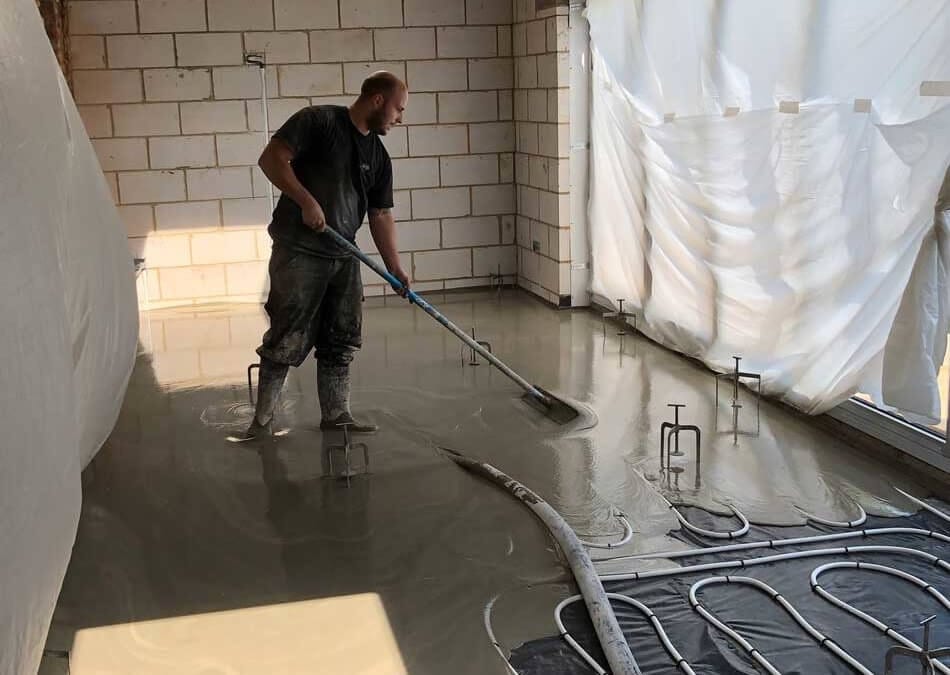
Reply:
x=121, y=154
x=370, y=13
x=142, y=187
x=98, y=17
x=537, y=105
x=171, y=251
x=416, y=173
x=487, y=260
x=488, y=11
x=506, y=168
x=538, y=171
x=240, y=15
x=252, y=212
x=107, y=86
x=247, y=278
x=441, y=202
x=466, y=232
x=239, y=149
x=494, y=199
x=491, y=73
x=471, y=106
x=467, y=42
x=492, y=137
x=405, y=43
x=140, y=51
x=97, y=120
x=187, y=216
x=220, y=247
x=397, y=142
x=341, y=45
x=161, y=16
x=280, y=47
x=175, y=152
x=527, y=71
x=419, y=235
x=441, y=75
x=185, y=283
x=209, y=49
x=177, y=84
x=469, y=170
x=138, y=219
x=219, y=183
x=241, y=82
x=438, y=140
x=541, y=112
x=176, y=119
x=310, y=80
x=504, y=41
x=204, y=117
x=442, y=264
x=293, y=14
x=434, y=12
x=422, y=109
x=146, y=119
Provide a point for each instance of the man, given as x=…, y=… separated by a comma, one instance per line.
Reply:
x=331, y=168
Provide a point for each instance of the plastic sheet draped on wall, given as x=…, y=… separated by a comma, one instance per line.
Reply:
x=68, y=327
x=764, y=176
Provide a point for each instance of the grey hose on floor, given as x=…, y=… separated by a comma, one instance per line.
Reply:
x=612, y=641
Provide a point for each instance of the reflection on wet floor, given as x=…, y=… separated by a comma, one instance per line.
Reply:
x=181, y=529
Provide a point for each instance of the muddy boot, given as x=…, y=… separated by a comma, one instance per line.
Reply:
x=333, y=389
x=270, y=382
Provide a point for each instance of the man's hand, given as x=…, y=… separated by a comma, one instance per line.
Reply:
x=313, y=216
x=403, y=279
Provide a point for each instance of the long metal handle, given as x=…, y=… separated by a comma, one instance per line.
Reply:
x=417, y=299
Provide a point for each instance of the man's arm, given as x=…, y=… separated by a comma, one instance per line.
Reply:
x=382, y=226
x=275, y=163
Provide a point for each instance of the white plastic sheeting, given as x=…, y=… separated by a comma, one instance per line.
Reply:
x=68, y=327
x=737, y=225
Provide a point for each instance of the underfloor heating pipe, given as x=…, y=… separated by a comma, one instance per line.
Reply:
x=751, y=562
x=612, y=641
x=626, y=537
x=857, y=522
x=765, y=560
x=712, y=534
x=924, y=505
x=824, y=641
x=486, y=617
x=867, y=618
x=678, y=659
x=779, y=543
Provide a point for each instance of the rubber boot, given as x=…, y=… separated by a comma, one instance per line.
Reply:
x=333, y=389
x=270, y=382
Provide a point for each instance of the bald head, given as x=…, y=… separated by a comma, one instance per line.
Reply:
x=383, y=98
x=382, y=82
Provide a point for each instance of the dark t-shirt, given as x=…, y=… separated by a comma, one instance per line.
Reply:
x=345, y=171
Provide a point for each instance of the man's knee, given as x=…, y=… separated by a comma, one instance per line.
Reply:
x=336, y=356
x=290, y=349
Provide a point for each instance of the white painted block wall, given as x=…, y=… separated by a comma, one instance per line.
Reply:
x=542, y=177
x=177, y=125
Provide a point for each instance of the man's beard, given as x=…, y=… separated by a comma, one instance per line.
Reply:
x=377, y=122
